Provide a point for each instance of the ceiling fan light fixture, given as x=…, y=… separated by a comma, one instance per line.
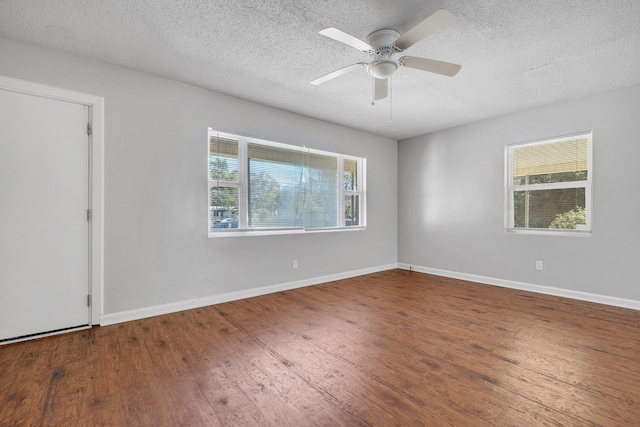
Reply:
x=382, y=44
x=382, y=68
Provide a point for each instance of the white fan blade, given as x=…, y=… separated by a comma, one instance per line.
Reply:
x=431, y=65
x=345, y=38
x=380, y=89
x=432, y=24
x=338, y=73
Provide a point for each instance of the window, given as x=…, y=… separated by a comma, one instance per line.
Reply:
x=259, y=186
x=351, y=192
x=549, y=185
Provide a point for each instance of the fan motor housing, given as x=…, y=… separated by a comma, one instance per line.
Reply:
x=382, y=41
x=383, y=38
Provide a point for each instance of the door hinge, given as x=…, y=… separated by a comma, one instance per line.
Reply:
x=88, y=214
x=88, y=300
x=89, y=129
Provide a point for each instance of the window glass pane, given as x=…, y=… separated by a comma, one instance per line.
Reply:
x=276, y=186
x=350, y=175
x=556, y=209
x=322, y=192
x=351, y=214
x=223, y=207
x=223, y=159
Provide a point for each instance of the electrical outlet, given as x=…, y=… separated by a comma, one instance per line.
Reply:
x=539, y=265
x=295, y=264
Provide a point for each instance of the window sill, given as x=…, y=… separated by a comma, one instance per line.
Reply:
x=244, y=233
x=543, y=232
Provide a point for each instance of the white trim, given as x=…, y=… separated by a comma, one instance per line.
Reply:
x=340, y=197
x=243, y=228
x=96, y=111
x=550, y=232
x=546, y=290
x=97, y=209
x=363, y=193
x=141, y=313
x=551, y=186
x=552, y=140
x=510, y=188
x=232, y=232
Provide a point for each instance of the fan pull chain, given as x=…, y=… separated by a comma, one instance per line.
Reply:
x=390, y=99
x=373, y=90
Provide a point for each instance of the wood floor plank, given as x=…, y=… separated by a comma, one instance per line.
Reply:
x=237, y=376
x=393, y=365
x=294, y=354
x=390, y=348
x=24, y=396
x=270, y=383
x=545, y=386
x=299, y=348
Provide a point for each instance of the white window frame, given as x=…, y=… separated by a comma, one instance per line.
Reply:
x=360, y=192
x=511, y=188
x=243, y=188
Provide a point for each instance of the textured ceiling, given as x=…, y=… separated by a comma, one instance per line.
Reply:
x=514, y=54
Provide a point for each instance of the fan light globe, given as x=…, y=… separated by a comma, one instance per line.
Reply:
x=382, y=69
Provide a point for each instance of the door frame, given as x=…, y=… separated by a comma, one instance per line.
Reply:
x=95, y=105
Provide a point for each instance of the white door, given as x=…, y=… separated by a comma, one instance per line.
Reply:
x=44, y=232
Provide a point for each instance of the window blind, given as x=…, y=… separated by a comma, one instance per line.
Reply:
x=223, y=159
x=350, y=174
x=564, y=156
x=224, y=182
x=321, y=202
x=275, y=196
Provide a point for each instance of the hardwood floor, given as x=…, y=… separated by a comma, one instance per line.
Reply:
x=386, y=349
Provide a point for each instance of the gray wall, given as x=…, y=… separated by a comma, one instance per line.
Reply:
x=156, y=245
x=450, y=202
x=451, y=199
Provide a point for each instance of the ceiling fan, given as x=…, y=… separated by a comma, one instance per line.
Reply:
x=381, y=45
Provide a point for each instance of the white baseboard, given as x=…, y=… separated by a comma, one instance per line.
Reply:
x=141, y=313
x=566, y=293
